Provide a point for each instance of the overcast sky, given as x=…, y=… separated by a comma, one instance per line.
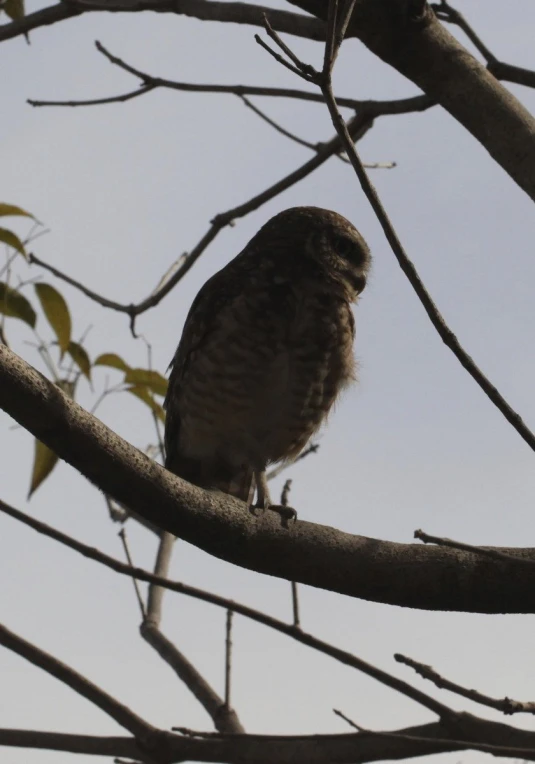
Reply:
x=124, y=189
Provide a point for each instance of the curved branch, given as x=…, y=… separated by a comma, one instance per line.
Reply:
x=204, y=10
x=403, y=574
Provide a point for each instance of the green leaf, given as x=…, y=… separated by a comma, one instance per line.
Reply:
x=57, y=313
x=113, y=360
x=14, y=8
x=11, y=209
x=80, y=357
x=151, y=379
x=12, y=240
x=144, y=395
x=45, y=459
x=14, y=304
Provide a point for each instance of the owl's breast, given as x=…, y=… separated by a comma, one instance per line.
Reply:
x=265, y=377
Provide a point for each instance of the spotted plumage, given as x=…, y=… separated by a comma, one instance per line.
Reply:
x=266, y=348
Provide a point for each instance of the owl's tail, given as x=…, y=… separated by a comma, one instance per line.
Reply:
x=241, y=485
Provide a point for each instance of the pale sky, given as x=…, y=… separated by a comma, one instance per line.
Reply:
x=124, y=189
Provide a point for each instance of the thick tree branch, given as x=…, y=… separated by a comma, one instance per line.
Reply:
x=91, y=745
x=498, y=739
x=403, y=574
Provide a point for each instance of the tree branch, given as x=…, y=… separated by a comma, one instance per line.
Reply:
x=225, y=718
x=205, y=10
x=506, y=705
x=402, y=574
x=61, y=741
x=141, y=729
x=314, y=749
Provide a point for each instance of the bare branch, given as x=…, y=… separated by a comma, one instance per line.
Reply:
x=348, y=720
x=225, y=718
x=492, y=553
x=205, y=10
x=122, y=536
x=150, y=82
x=141, y=729
x=506, y=705
x=502, y=71
x=228, y=658
x=283, y=131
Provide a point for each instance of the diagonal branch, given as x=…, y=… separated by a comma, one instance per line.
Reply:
x=141, y=729
x=506, y=705
x=225, y=718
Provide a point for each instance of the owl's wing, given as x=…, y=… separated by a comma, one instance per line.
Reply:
x=218, y=291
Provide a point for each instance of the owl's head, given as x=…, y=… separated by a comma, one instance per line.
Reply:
x=329, y=240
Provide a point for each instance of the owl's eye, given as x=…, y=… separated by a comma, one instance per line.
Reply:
x=348, y=249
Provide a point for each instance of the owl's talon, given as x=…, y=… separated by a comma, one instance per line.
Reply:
x=288, y=513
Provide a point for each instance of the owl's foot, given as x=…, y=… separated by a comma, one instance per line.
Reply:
x=263, y=501
x=286, y=513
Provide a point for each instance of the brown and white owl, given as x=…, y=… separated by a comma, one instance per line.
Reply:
x=266, y=348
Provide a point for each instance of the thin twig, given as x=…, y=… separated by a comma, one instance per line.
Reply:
x=493, y=553
x=295, y=605
x=228, y=658
x=349, y=721
x=283, y=131
x=506, y=705
x=122, y=536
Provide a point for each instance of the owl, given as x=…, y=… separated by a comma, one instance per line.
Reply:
x=266, y=348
